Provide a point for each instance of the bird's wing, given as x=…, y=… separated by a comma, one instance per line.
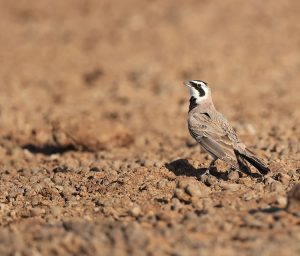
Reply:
x=211, y=136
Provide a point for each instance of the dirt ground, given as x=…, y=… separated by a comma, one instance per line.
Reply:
x=95, y=155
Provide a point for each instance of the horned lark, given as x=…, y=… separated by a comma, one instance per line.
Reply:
x=214, y=133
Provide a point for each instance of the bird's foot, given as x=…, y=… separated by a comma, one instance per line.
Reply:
x=207, y=172
x=210, y=167
x=210, y=170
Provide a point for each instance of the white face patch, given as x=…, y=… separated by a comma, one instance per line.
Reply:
x=194, y=93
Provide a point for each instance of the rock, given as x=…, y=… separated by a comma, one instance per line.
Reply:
x=194, y=190
x=281, y=201
x=141, y=162
x=62, y=168
x=12, y=214
x=92, y=76
x=175, y=204
x=95, y=169
x=56, y=210
x=135, y=211
x=68, y=191
x=149, y=163
x=37, y=211
x=28, y=154
x=207, y=203
x=293, y=204
x=132, y=166
x=244, y=235
x=58, y=180
x=248, y=196
x=112, y=176
x=162, y=184
x=282, y=177
x=164, y=216
x=211, y=180
x=276, y=186
x=252, y=221
x=230, y=186
x=197, y=203
x=189, y=187
x=250, y=129
x=181, y=195
x=135, y=236
x=159, y=163
x=183, y=183
x=234, y=175
x=258, y=187
x=35, y=200
x=268, y=180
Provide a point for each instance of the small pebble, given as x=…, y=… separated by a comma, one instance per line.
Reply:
x=56, y=210
x=293, y=205
x=37, y=212
x=194, y=190
x=135, y=211
x=268, y=180
x=276, y=186
x=284, y=179
x=181, y=195
x=248, y=197
x=281, y=201
x=211, y=180
x=230, y=187
x=162, y=183
x=175, y=204
x=95, y=169
x=234, y=175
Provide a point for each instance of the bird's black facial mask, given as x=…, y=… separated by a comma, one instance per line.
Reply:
x=197, y=84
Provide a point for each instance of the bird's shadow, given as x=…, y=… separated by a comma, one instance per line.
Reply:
x=181, y=167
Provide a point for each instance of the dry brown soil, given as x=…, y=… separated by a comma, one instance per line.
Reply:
x=95, y=156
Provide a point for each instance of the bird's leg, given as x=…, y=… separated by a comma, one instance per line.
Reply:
x=231, y=169
x=211, y=165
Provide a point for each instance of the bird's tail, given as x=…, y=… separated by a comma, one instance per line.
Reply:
x=253, y=160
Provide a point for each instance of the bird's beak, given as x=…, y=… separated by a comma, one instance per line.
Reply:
x=187, y=83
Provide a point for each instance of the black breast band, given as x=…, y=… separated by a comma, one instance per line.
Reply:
x=193, y=103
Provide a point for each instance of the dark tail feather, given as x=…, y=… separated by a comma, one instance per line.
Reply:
x=243, y=166
x=249, y=157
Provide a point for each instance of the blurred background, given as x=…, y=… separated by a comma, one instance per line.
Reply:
x=124, y=62
x=99, y=84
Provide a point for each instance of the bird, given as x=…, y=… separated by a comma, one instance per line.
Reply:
x=215, y=134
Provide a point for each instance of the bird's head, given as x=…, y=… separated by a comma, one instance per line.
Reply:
x=199, y=90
